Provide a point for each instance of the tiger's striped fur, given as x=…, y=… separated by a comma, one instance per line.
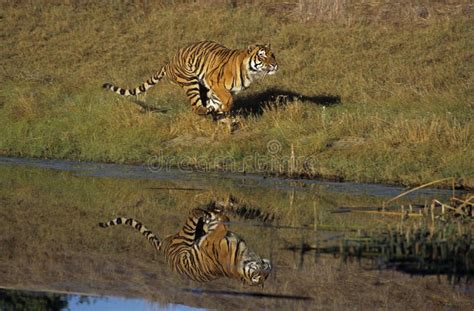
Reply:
x=210, y=73
x=204, y=249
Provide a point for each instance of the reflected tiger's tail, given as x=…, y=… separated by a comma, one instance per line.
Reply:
x=152, y=238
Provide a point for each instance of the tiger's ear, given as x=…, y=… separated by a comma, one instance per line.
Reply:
x=268, y=46
x=250, y=48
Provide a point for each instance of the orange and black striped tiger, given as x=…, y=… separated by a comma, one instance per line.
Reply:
x=204, y=249
x=210, y=73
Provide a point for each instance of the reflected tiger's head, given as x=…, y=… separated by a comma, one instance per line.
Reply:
x=255, y=270
x=261, y=59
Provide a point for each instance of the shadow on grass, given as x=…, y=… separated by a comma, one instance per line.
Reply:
x=148, y=108
x=256, y=103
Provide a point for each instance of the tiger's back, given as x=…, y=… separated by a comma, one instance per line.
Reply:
x=184, y=250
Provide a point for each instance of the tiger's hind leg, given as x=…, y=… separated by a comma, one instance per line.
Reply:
x=197, y=95
x=215, y=227
x=207, y=223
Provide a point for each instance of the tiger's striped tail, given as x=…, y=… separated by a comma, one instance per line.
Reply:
x=153, y=239
x=151, y=82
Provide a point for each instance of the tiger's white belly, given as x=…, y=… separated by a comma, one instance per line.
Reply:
x=237, y=90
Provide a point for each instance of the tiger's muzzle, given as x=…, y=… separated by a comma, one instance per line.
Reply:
x=272, y=69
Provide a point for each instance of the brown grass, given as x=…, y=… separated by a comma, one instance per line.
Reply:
x=368, y=92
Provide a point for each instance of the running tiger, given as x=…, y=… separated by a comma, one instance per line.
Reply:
x=204, y=249
x=210, y=74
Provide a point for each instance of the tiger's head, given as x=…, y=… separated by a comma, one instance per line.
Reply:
x=261, y=59
x=256, y=270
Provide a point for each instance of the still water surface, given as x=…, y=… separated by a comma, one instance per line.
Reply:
x=327, y=248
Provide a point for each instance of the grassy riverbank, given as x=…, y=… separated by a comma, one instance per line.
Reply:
x=378, y=95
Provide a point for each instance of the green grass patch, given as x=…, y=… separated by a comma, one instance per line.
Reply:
x=401, y=89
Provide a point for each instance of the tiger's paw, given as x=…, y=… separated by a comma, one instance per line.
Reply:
x=236, y=122
x=231, y=122
x=200, y=110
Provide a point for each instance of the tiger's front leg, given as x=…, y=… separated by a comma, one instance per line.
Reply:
x=225, y=99
x=220, y=104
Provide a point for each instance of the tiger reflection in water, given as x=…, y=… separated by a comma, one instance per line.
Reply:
x=204, y=249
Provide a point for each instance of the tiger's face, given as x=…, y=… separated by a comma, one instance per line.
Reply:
x=256, y=271
x=262, y=59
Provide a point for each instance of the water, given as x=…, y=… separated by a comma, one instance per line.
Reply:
x=326, y=249
x=11, y=299
x=239, y=180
